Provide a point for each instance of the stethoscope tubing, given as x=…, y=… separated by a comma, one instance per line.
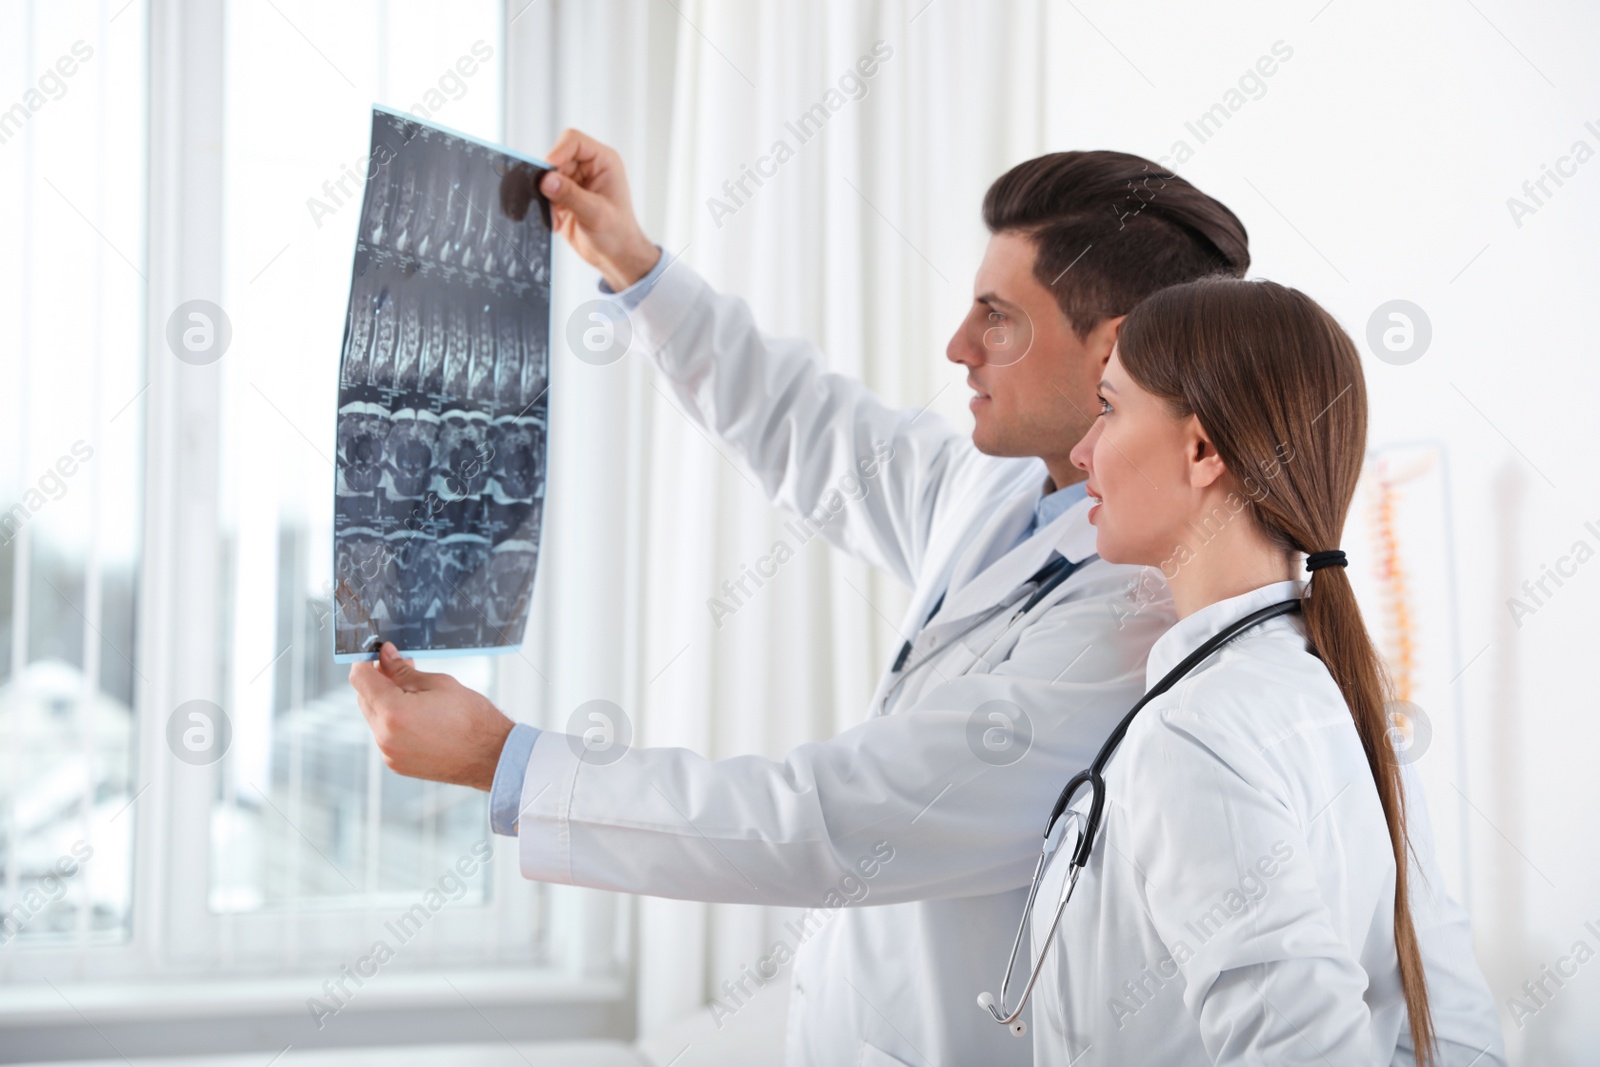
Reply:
x=1061, y=573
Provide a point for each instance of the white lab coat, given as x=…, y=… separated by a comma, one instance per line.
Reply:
x=1238, y=907
x=896, y=981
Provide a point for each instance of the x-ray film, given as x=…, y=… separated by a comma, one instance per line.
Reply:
x=443, y=397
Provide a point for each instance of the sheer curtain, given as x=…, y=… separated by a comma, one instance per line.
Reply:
x=859, y=230
x=862, y=238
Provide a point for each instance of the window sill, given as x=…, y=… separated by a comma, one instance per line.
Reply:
x=87, y=1021
x=112, y=1002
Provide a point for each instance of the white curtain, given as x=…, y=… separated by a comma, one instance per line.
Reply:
x=861, y=237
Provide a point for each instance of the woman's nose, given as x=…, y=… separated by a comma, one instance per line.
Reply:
x=1082, y=454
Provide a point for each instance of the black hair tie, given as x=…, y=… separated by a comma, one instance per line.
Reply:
x=1318, y=560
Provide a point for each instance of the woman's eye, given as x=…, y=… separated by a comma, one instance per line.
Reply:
x=1105, y=405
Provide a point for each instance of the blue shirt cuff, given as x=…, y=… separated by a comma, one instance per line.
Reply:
x=505, y=795
x=634, y=295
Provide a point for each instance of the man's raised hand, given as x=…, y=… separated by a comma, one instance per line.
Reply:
x=591, y=207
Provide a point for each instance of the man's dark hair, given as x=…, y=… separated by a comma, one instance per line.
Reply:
x=1111, y=228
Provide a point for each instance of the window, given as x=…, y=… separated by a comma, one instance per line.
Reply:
x=72, y=151
x=218, y=800
x=307, y=828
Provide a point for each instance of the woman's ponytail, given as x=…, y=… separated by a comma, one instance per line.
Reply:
x=1339, y=637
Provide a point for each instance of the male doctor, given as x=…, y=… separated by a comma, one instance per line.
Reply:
x=939, y=796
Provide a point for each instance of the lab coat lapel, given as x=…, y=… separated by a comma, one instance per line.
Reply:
x=1069, y=533
x=980, y=557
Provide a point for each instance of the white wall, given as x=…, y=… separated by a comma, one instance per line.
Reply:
x=1374, y=164
x=1378, y=165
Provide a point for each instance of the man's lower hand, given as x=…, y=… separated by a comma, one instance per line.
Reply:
x=429, y=725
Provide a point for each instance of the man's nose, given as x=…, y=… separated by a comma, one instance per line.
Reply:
x=961, y=349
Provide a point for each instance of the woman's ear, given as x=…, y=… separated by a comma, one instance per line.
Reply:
x=1205, y=465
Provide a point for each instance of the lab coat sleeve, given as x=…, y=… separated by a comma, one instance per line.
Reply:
x=1228, y=884
x=813, y=829
x=1465, y=1020
x=878, y=480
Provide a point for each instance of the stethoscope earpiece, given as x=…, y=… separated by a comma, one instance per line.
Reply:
x=986, y=1001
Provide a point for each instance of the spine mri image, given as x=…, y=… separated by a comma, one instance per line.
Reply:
x=443, y=397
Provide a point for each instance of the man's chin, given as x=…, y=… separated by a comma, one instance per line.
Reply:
x=991, y=444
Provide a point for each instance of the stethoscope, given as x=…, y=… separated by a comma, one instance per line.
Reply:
x=1092, y=777
x=1045, y=580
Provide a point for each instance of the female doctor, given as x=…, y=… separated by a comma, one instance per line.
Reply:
x=1243, y=900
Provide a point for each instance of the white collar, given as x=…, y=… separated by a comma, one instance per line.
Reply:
x=1188, y=634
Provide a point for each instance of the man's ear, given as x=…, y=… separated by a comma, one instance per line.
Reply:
x=1205, y=465
x=1103, y=338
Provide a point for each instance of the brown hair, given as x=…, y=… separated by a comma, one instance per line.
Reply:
x=1265, y=369
x=1111, y=228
